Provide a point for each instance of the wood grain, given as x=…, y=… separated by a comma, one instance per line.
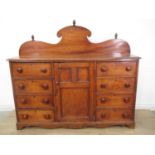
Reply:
x=74, y=83
x=74, y=43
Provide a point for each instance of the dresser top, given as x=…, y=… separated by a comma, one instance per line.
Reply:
x=74, y=45
x=62, y=59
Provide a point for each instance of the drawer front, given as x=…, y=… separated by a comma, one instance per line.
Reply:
x=114, y=115
x=34, y=116
x=119, y=85
x=108, y=101
x=33, y=86
x=116, y=68
x=35, y=101
x=22, y=70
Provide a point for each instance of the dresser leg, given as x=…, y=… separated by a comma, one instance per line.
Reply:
x=19, y=127
x=132, y=126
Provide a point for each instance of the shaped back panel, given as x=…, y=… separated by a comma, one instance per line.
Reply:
x=74, y=43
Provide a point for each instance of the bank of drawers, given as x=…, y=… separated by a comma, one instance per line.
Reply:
x=115, y=91
x=33, y=88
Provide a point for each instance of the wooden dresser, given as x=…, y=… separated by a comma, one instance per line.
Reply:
x=74, y=83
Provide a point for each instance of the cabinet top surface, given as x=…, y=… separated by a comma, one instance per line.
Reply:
x=62, y=59
x=74, y=45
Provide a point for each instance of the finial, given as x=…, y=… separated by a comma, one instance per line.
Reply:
x=74, y=22
x=32, y=37
x=116, y=35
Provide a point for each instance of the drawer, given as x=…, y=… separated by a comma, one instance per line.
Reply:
x=35, y=101
x=113, y=100
x=34, y=116
x=20, y=70
x=33, y=86
x=115, y=85
x=116, y=68
x=114, y=115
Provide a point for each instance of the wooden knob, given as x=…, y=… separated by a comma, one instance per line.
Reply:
x=47, y=116
x=116, y=35
x=43, y=70
x=32, y=37
x=127, y=85
x=126, y=99
x=128, y=68
x=125, y=115
x=103, y=86
x=74, y=22
x=45, y=86
x=23, y=101
x=104, y=69
x=103, y=100
x=46, y=100
x=19, y=70
x=103, y=116
x=25, y=116
x=21, y=86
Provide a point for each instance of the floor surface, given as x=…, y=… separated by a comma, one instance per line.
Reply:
x=145, y=125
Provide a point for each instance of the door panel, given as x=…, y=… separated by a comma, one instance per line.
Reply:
x=82, y=74
x=73, y=97
x=74, y=104
x=69, y=72
x=65, y=74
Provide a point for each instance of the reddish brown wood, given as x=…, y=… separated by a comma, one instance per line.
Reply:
x=115, y=101
x=74, y=98
x=30, y=70
x=74, y=42
x=33, y=116
x=33, y=86
x=35, y=101
x=114, y=115
x=74, y=83
x=115, y=84
x=116, y=69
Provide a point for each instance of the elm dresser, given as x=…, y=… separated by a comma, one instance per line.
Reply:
x=74, y=83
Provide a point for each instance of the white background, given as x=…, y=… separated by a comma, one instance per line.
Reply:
x=134, y=20
x=19, y=19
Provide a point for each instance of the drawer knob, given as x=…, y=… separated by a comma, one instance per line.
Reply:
x=125, y=115
x=23, y=101
x=46, y=100
x=104, y=69
x=47, y=116
x=103, y=100
x=25, y=116
x=126, y=99
x=128, y=68
x=45, y=86
x=43, y=70
x=127, y=85
x=21, y=86
x=103, y=85
x=19, y=70
x=103, y=116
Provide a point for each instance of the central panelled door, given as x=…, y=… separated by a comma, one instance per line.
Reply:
x=74, y=91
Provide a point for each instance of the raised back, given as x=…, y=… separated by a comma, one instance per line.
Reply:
x=74, y=43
